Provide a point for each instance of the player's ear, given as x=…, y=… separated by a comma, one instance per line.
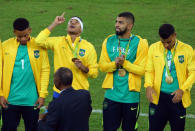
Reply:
x=30, y=30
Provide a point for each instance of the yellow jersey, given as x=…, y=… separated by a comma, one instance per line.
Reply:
x=61, y=46
x=184, y=67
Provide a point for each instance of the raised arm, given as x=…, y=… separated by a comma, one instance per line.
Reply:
x=43, y=38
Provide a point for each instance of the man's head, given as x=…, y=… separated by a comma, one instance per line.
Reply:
x=167, y=36
x=124, y=23
x=22, y=30
x=63, y=78
x=75, y=26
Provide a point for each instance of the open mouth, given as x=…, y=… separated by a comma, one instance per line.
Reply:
x=72, y=26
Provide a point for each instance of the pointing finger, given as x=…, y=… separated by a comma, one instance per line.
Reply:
x=62, y=15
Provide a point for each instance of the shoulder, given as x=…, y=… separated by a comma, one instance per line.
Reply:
x=82, y=91
x=141, y=42
x=83, y=94
x=109, y=39
x=155, y=45
x=8, y=42
x=112, y=37
x=35, y=46
x=87, y=44
x=184, y=45
x=140, y=39
x=185, y=49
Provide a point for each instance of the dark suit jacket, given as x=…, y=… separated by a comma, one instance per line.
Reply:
x=69, y=112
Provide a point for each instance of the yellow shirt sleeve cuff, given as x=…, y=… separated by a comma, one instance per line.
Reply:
x=46, y=31
x=42, y=95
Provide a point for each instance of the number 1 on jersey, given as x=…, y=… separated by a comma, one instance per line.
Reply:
x=22, y=64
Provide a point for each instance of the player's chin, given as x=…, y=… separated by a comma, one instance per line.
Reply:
x=118, y=33
x=73, y=32
x=23, y=42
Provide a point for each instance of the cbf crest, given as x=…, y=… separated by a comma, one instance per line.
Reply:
x=181, y=58
x=36, y=53
x=82, y=52
x=152, y=111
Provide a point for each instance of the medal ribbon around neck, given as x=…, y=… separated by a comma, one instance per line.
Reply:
x=166, y=62
x=74, y=52
x=127, y=48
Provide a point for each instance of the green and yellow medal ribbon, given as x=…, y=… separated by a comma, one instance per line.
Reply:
x=166, y=62
x=74, y=52
x=127, y=48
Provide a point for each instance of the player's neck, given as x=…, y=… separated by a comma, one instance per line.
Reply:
x=73, y=37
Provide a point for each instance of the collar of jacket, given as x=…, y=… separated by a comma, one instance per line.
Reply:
x=66, y=90
x=77, y=40
x=18, y=43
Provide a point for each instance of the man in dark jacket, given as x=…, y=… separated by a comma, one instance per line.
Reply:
x=71, y=110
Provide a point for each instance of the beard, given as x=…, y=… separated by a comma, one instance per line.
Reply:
x=121, y=32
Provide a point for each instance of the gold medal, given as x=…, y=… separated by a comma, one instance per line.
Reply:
x=169, y=79
x=121, y=72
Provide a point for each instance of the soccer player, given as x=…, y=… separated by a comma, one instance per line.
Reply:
x=123, y=58
x=25, y=78
x=168, y=80
x=71, y=51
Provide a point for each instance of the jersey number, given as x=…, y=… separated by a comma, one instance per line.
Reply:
x=22, y=64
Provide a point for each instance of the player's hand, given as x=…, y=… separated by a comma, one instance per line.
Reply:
x=40, y=102
x=80, y=65
x=59, y=19
x=42, y=116
x=122, y=60
x=149, y=92
x=177, y=96
x=3, y=102
x=119, y=60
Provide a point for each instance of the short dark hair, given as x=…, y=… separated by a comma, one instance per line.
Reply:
x=20, y=24
x=64, y=75
x=166, y=30
x=127, y=15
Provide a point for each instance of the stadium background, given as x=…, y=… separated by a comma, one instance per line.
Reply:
x=99, y=19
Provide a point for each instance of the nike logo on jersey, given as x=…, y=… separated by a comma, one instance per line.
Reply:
x=132, y=108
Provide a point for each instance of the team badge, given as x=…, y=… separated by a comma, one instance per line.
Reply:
x=152, y=111
x=81, y=52
x=105, y=105
x=36, y=53
x=181, y=58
